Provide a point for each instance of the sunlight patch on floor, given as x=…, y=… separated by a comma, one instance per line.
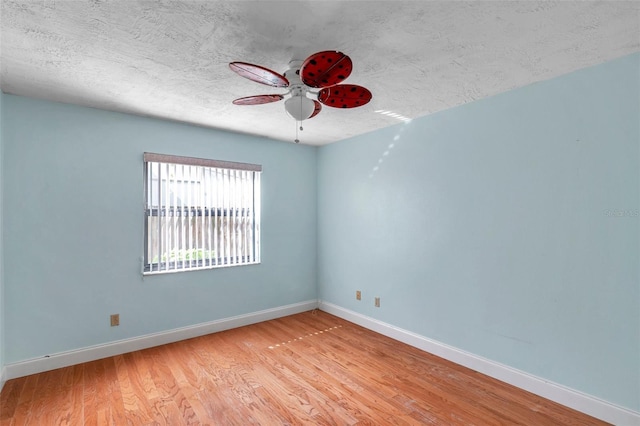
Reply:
x=277, y=345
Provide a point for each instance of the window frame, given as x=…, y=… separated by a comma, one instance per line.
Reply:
x=232, y=212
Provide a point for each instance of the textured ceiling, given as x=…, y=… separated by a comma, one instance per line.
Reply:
x=169, y=59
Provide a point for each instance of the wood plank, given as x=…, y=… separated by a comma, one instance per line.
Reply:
x=110, y=396
x=9, y=399
x=309, y=368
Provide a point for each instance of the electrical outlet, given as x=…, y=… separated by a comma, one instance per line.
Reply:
x=358, y=295
x=115, y=320
x=377, y=302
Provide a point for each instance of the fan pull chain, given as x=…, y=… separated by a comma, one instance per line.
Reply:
x=300, y=122
x=297, y=140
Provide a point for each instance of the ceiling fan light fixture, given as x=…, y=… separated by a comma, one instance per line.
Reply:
x=299, y=107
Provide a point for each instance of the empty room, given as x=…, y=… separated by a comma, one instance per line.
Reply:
x=319, y=212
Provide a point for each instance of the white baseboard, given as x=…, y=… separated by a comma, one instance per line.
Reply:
x=577, y=400
x=92, y=353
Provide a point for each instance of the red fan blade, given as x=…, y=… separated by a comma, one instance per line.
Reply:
x=257, y=100
x=345, y=96
x=316, y=110
x=259, y=74
x=324, y=69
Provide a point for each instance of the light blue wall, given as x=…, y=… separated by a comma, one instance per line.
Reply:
x=507, y=227
x=73, y=232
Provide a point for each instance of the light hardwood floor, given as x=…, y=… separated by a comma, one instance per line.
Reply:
x=310, y=368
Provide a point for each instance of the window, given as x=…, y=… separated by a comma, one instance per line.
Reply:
x=199, y=213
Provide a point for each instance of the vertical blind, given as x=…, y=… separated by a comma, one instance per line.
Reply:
x=200, y=213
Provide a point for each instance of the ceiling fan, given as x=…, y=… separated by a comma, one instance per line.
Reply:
x=314, y=82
